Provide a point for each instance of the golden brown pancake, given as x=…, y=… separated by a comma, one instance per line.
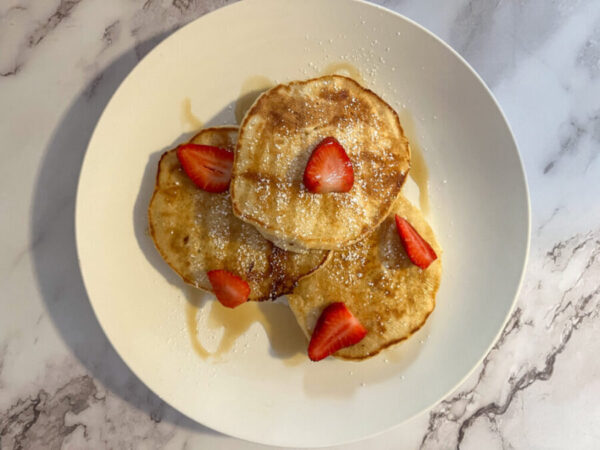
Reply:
x=277, y=137
x=195, y=231
x=388, y=294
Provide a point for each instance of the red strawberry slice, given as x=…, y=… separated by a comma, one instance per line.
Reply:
x=329, y=169
x=229, y=289
x=418, y=249
x=208, y=167
x=336, y=328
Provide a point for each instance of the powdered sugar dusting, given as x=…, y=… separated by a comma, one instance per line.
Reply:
x=277, y=140
x=388, y=294
x=196, y=231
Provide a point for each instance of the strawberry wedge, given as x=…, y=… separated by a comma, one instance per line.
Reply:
x=418, y=249
x=229, y=289
x=336, y=328
x=207, y=166
x=329, y=169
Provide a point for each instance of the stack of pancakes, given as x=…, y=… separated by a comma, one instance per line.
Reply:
x=282, y=239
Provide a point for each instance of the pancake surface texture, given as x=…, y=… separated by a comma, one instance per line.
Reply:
x=195, y=231
x=388, y=294
x=277, y=137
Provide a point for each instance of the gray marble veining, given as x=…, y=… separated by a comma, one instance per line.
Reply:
x=61, y=383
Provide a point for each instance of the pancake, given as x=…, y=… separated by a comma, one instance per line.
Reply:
x=277, y=137
x=195, y=231
x=384, y=290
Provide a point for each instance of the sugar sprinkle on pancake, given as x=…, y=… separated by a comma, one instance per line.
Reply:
x=277, y=137
x=196, y=231
x=388, y=294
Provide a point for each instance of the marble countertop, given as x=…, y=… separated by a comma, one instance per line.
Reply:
x=62, y=384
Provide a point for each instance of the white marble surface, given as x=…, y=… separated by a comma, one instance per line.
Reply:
x=62, y=384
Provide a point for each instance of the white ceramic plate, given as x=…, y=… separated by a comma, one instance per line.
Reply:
x=263, y=389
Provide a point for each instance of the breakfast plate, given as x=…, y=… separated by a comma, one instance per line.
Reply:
x=244, y=372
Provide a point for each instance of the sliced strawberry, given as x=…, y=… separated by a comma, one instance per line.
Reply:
x=229, y=289
x=336, y=328
x=329, y=169
x=418, y=249
x=208, y=167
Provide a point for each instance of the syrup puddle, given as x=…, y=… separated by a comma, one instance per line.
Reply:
x=188, y=117
x=252, y=87
x=345, y=69
x=418, y=168
x=286, y=339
